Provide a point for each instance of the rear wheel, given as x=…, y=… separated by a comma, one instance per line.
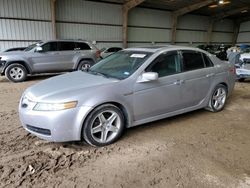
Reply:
x=218, y=98
x=84, y=65
x=16, y=72
x=103, y=126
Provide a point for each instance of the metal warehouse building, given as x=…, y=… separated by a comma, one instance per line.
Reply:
x=23, y=22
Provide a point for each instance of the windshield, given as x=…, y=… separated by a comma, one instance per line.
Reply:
x=121, y=64
x=30, y=47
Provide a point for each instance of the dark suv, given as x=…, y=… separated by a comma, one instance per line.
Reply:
x=48, y=57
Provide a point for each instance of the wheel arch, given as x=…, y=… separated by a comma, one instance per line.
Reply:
x=18, y=62
x=123, y=109
x=84, y=59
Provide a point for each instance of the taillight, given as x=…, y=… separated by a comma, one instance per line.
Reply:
x=233, y=70
x=98, y=53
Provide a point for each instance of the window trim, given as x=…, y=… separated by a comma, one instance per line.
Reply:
x=166, y=53
x=195, y=51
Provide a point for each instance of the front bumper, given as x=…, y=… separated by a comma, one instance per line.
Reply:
x=2, y=66
x=55, y=126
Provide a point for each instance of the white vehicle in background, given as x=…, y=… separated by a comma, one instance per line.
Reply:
x=243, y=68
x=105, y=52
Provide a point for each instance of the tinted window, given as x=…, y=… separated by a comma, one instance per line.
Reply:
x=166, y=64
x=113, y=49
x=49, y=47
x=207, y=61
x=192, y=60
x=66, y=46
x=82, y=46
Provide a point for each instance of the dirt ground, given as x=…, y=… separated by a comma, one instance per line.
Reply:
x=197, y=149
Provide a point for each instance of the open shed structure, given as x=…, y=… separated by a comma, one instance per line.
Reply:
x=125, y=22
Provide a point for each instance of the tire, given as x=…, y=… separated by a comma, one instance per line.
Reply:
x=84, y=65
x=218, y=98
x=16, y=73
x=98, y=130
x=241, y=80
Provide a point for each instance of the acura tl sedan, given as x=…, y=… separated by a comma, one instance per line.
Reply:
x=129, y=88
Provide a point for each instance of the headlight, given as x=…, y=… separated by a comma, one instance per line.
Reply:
x=54, y=106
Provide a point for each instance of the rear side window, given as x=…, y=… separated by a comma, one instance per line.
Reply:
x=82, y=46
x=207, y=61
x=113, y=49
x=192, y=60
x=66, y=46
x=49, y=47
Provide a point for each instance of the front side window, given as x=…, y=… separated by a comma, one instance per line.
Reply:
x=66, y=46
x=49, y=47
x=166, y=64
x=192, y=60
x=121, y=64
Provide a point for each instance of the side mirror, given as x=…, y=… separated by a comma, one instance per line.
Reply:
x=148, y=77
x=39, y=49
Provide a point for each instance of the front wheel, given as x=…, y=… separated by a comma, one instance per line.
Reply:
x=218, y=98
x=16, y=72
x=103, y=126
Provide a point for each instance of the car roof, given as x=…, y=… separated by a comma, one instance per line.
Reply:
x=67, y=40
x=157, y=48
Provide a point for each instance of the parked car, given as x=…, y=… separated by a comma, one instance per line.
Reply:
x=106, y=52
x=129, y=88
x=219, y=50
x=15, y=49
x=243, y=67
x=48, y=57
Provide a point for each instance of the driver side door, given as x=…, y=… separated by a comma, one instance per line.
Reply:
x=163, y=95
x=46, y=60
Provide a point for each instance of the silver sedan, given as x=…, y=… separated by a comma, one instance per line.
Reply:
x=129, y=88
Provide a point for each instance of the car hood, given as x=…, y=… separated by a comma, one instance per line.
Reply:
x=13, y=53
x=66, y=86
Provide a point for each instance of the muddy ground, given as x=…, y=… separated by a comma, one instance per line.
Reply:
x=198, y=149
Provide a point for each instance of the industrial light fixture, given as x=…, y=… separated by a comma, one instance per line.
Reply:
x=219, y=3
x=244, y=11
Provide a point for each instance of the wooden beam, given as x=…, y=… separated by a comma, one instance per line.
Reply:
x=182, y=11
x=236, y=31
x=229, y=13
x=53, y=18
x=210, y=31
x=125, y=10
x=193, y=7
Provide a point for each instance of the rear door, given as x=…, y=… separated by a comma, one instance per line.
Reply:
x=196, y=77
x=66, y=55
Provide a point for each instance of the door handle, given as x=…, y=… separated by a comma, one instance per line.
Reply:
x=210, y=75
x=179, y=82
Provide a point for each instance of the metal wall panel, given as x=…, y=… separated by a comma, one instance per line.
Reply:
x=149, y=17
x=24, y=21
x=30, y=9
x=24, y=30
x=89, y=32
x=190, y=36
x=91, y=12
x=193, y=22
x=224, y=25
x=244, y=33
x=245, y=26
